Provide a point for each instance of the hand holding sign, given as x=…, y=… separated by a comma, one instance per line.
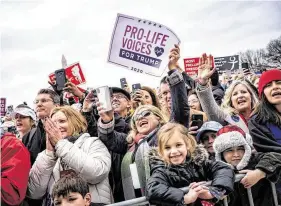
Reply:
x=88, y=102
x=174, y=57
x=141, y=45
x=205, y=69
x=72, y=88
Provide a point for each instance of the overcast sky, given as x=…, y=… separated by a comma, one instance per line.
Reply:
x=36, y=33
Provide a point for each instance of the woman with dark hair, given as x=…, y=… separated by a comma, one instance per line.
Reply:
x=194, y=102
x=265, y=125
x=145, y=96
x=25, y=119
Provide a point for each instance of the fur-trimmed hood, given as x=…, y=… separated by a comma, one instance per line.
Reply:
x=199, y=156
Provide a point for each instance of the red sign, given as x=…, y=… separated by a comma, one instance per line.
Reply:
x=73, y=73
x=3, y=107
x=191, y=65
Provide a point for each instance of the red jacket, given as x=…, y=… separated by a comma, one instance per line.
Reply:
x=15, y=166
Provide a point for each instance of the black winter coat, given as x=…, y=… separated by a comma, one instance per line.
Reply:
x=270, y=163
x=263, y=139
x=36, y=142
x=189, y=82
x=165, y=181
x=122, y=125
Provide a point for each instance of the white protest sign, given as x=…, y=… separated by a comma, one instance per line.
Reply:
x=141, y=45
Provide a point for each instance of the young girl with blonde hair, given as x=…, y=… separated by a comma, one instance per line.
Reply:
x=180, y=162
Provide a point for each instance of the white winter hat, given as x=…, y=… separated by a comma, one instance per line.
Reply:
x=232, y=136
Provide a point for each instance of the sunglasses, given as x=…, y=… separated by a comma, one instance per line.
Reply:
x=143, y=114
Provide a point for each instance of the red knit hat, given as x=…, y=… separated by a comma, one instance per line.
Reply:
x=267, y=77
x=231, y=128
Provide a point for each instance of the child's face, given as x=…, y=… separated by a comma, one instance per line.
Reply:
x=234, y=155
x=175, y=150
x=73, y=199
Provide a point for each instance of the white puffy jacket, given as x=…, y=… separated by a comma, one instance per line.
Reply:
x=88, y=157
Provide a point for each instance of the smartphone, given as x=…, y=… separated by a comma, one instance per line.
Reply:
x=60, y=79
x=197, y=120
x=135, y=87
x=123, y=82
x=104, y=96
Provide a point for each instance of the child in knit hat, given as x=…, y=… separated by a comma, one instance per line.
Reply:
x=232, y=147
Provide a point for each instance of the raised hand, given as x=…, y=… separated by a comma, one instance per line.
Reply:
x=54, y=86
x=127, y=89
x=192, y=130
x=105, y=116
x=174, y=56
x=139, y=97
x=88, y=102
x=72, y=88
x=205, y=69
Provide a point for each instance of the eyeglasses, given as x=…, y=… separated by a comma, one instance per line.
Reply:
x=192, y=102
x=119, y=96
x=143, y=114
x=43, y=101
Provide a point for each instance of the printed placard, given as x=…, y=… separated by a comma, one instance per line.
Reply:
x=141, y=45
x=73, y=73
x=191, y=65
x=225, y=63
x=3, y=107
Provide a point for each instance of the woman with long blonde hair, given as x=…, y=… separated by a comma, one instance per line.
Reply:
x=239, y=101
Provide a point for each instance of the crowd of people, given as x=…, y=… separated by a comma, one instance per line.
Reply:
x=152, y=143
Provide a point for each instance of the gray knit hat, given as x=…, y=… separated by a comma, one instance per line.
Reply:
x=208, y=126
x=232, y=136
